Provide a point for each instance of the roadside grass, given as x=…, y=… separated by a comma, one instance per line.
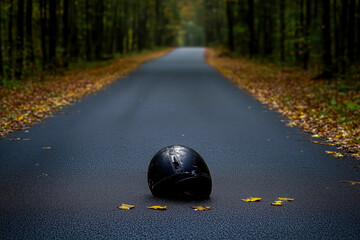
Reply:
x=26, y=102
x=326, y=109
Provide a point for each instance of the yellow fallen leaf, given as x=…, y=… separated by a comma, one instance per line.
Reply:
x=126, y=206
x=71, y=94
x=46, y=147
x=315, y=136
x=277, y=203
x=351, y=182
x=251, y=199
x=338, y=154
x=335, y=154
x=324, y=143
x=201, y=208
x=157, y=207
x=286, y=199
x=20, y=118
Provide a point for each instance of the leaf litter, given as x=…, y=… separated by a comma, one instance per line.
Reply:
x=37, y=99
x=316, y=106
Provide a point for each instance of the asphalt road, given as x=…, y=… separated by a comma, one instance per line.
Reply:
x=101, y=148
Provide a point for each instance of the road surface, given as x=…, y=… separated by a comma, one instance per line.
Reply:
x=101, y=148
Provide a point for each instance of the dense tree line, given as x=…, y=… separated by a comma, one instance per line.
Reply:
x=324, y=33
x=50, y=34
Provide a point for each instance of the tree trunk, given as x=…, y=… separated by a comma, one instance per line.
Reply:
x=158, y=23
x=65, y=34
x=120, y=31
x=43, y=32
x=134, y=27
x=344, y=33
x=326, y=41
x=52, y=33
x=29, y=35
x=307, y=34
x=351, y=32
x=268, y=28
x=99, y=29
x=75, y=46
x=230, y=22
x=143, y=18
x=1, y=53
x=358, y=31
x=300, y=50
x=88, y=30
x=337, y=34
x=251, y=29
x=282, y=30
x=20, y=40
x=126, y=29
x=9, y=71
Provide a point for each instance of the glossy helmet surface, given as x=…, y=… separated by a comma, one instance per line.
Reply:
x=179, y=171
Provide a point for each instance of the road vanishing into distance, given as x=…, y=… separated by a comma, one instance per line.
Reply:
x=100, y=149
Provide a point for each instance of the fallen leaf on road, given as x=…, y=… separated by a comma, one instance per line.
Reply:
x=157, y=207
x=286, y=199
x=46, y=147
x=277, y=203
x=351, y=182
x=324, y=143
x=18, y=139
x=126, y=206
x=201, y=208
x=335, y=154
x=251, y=199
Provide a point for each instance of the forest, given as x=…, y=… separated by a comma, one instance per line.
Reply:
x=42, y=36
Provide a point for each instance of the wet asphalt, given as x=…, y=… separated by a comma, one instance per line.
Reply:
x=102, y=145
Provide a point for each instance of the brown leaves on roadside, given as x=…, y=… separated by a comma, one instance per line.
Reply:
x=158, y=207
x=201, y=208
x=316, y=106
x=34, y=100
x=126, y=206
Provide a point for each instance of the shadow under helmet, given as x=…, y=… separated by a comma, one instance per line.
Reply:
x=179, y=171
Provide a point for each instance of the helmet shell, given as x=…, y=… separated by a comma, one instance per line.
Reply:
x=179, y=171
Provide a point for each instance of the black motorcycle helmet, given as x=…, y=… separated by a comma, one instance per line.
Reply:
x=179, y=171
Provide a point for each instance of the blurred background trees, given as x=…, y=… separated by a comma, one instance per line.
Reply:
x=323, y=33
x=50, y=34
x=46, y=35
